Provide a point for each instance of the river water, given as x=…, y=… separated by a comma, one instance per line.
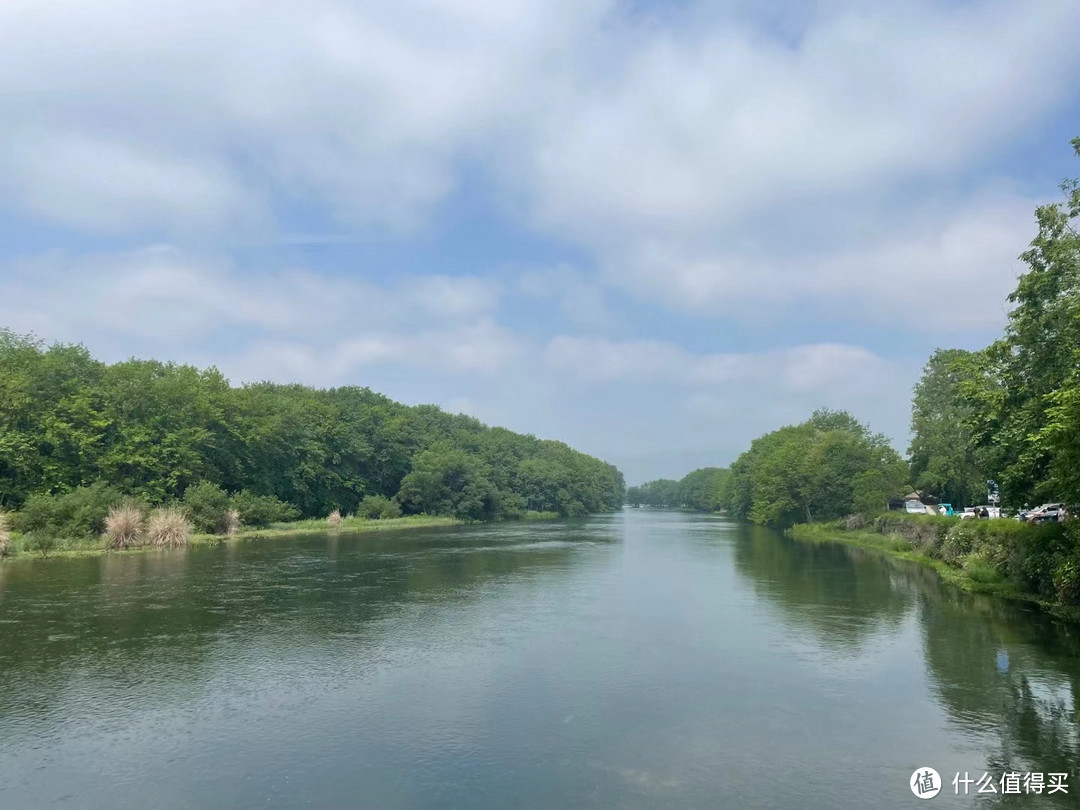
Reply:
x=646, y=659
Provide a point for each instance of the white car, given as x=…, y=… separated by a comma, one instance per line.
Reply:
x=915, y=507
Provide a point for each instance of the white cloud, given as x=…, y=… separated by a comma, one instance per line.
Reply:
x=581, y=298
x=104, y=184
x=605, y=123
x=813, y=367
x=288, y=324
x=946, y=275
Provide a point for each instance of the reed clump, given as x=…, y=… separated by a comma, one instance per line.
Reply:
x=230, y=523
x=168, y=527
x=333, y=520
x=5, y=536
x=124, y=527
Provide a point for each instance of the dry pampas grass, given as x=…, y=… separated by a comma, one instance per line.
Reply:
x=169, y=528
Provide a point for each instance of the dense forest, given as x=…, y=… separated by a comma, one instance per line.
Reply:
x=154, y=431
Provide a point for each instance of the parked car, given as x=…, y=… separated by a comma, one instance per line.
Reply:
x=915, y=507
x=1048, y=513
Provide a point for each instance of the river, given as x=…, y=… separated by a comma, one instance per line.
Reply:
x=645, y=659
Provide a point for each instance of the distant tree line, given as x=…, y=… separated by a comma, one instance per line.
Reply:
x=1009, y=413
x=829, y=466
x=702, y=490
x=154, y=430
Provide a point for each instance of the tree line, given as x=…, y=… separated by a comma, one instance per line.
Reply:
x=154, y=430
x=824, y=468
x=701, y=489
x=1008, y=414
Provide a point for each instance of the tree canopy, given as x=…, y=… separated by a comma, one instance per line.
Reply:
x=153, y=430
x=701, y=489
x=824, y=468
x=1016, y=402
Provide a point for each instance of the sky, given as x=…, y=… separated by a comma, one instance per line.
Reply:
x=652, y=230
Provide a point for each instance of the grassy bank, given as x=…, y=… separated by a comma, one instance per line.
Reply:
x=76, y=547
x=1037, y=564
x=18, y=546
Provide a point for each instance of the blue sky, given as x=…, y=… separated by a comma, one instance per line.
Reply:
x=652, y=230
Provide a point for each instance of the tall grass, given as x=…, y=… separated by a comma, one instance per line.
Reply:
x=333, y=520
x=5, y=537
x=168, y=528
x=230, y=522
x=124, y=527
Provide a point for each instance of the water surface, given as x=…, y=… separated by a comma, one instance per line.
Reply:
x=646, y=659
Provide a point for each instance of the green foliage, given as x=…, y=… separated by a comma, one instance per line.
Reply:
x=261, y=510
x=704, y=489
x=701, y=489
x=818, y=470
x=662, y=492
x=79, y=514
x=1043, y=560
x=445, y=481
x=41, y=541
x=944, y=458
x=1019, y=399
x=155, y=430
x=206, y=505
x=377, y=507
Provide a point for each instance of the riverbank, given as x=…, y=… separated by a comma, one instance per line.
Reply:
x=352, y=525
x=1035, y=564
x=17, y=549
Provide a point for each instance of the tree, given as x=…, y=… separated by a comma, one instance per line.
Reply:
x=446, y=481
x=1024, y=404
x=820, y=469
x=944, y=458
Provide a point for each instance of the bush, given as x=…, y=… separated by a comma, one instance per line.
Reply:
x=168, y=528
x=124, y=526
x=5, y=538
x=79, y=514
x=333, y=520
x=42, y=541
x=206, y=505
x=378, y=507
x=262, y=510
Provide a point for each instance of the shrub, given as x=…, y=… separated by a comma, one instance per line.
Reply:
x=376, y=507
x=981, y=570
x=207, y=504
x=5, y=538
x=124, y=526
x=41, y=541
x=168, y=528
x=79, y=514
x=333, y=520
x=262, y=510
